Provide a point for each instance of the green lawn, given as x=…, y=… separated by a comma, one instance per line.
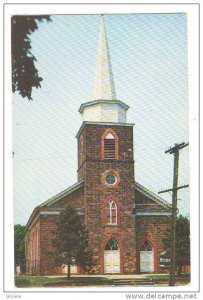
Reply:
x=40, y=281
x=43, y=281
x=164, y=278
x=34, y=281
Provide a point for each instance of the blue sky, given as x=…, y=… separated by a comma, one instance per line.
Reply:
x=149, y=60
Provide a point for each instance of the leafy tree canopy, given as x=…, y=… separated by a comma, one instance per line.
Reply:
x=182, y=243
x=71, y=241
x=24, y=73
x=19, y=246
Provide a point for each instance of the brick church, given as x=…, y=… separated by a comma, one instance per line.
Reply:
x=125, y=221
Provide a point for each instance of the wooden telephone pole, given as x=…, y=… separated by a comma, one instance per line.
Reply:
x=174, y=150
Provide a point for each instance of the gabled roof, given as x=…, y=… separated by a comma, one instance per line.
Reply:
x=151, y=195
x=46, y=205
x=64, y=193
x=52, y=200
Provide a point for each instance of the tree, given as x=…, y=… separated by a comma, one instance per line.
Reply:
x=24, y=73
x=19, y=246
x=182, y=243
x=71, y=241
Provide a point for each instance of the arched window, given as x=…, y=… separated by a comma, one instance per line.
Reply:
x=146, y=246
x=111, y=245
x=111, y=212
x=109, y=145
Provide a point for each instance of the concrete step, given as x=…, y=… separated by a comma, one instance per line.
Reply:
x=134, y=281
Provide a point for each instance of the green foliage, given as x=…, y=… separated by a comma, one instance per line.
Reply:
x=182, y=243
x=71, y=241
x=19, y=246
x=24, y=73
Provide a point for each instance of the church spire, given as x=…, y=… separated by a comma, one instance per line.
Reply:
x=104, y=88
x=104, y=107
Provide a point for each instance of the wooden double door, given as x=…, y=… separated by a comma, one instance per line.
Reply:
x=112, y=257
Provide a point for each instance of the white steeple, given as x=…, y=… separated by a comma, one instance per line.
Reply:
x=103, y=83
x=104, y=106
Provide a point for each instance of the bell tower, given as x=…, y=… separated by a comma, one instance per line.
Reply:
x=106, y=165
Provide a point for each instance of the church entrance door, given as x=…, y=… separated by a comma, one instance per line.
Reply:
x=111, y=257
x=146, y=258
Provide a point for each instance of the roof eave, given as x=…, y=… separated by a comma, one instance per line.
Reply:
x=151, y=195
x=52, y=200
x=94, y=102
x=62, y=194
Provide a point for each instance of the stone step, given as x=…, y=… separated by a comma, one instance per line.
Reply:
x=134, y=281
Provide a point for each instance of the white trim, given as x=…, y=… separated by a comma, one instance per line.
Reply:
x=45, y=212
x=35, y=219
x=41, y=213
x=156, y=213
x=49, y=213
x=37, y=243
x=94, y=102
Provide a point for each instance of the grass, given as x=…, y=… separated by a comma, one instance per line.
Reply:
x=35, y=281
x=164, y=278
x=40, y=281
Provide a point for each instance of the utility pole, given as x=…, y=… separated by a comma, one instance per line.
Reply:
x=175, y=151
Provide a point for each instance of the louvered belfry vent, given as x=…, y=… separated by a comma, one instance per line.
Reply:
x=109, y=148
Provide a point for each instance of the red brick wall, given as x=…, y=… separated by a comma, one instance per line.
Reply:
x=91, y=168
x=129, y=232
x=48, y=226
x=75, y=199
x=153, y=229
x=143, y=202
x=39, y=260
x=90, y=148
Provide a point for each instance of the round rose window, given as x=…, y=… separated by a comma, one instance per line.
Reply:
x=110, y=178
